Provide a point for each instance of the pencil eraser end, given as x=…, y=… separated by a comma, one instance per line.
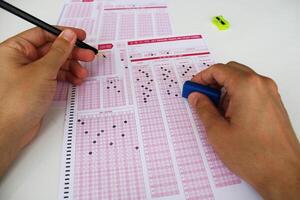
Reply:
x=213, y=94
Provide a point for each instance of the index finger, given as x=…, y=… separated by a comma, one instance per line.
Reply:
x=38, y=37
x=220, y=74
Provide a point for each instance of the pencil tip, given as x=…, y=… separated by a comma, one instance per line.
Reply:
x=100, y=53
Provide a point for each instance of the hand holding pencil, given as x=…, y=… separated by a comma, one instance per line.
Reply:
x=31, y=64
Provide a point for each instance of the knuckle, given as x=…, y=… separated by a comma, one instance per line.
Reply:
x=271, y=83
x=232, y=63
x=218, y=66
x=240, y=66
x=198, y=73
x=59, y=49
x=17, y=43
x=252, y=78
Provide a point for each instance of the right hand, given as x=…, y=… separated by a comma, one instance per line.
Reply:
x=251, y=131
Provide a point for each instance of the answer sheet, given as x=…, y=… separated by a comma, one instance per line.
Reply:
x=114, y=20
x=130, y=135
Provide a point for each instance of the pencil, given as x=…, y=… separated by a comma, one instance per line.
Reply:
x=51, y=29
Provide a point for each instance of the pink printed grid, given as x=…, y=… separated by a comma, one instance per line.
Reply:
x=101, y=66
x=160, y=169
x=113, y=93
x=107, y=160
x=86, y=24
x=77, y=10
x=109, y=26
x=192, y=170
x=221, y=175
x=69, y=22
x=126, y=30
x=61, y=91
x=163, y=24
x=144, y=25
x=89, y=95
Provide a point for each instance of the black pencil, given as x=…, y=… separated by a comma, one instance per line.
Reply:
x=51, y=29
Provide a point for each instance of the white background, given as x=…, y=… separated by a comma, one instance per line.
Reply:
x=264, y=34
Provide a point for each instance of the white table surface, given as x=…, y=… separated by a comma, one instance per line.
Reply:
x=264, y=34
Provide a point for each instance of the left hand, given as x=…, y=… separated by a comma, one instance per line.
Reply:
x=30, y=65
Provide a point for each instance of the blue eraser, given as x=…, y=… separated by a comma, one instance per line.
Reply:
x=213, y=94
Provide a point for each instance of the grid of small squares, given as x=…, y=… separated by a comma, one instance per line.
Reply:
x=89, y=95
x=98, y=19
x=61, y=91
x=163, y=24
x=113, y=93
x=144, y=25
x=107, y=159
x=69, y=22
x=78, y=10
x=87, y=25
x=222, y=176
x=193, y=174
x=101, y=66
x=160, y=169
x=124, y=61
x=126, y=26
x=109, y=26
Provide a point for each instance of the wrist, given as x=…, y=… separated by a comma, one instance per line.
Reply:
x=8, y=146
x=281, y=181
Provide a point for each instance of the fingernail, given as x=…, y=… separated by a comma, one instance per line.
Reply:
x=68, y=35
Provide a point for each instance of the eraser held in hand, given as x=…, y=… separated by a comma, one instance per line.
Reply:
x=213, y=94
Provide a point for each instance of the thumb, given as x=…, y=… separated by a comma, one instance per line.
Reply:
x=58, y=53
x=212, y=120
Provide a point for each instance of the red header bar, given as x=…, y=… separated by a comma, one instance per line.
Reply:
x=170, y=39
x=105, y=46
x=87, y=0
x=137, y=8
x=172, y=56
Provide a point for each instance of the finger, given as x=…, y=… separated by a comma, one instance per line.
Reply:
x=225, y=100
x=62, y=75
x=198, y=78
x=38, y=37
x=73, y=79
x=239, y=66
x=77, y=70
x=84, y=55
x=57, y=55
x=223, y=75
x=212, y=120
x=66, y=65
x=43, y=50
x=68, y=76
x=80, y=54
